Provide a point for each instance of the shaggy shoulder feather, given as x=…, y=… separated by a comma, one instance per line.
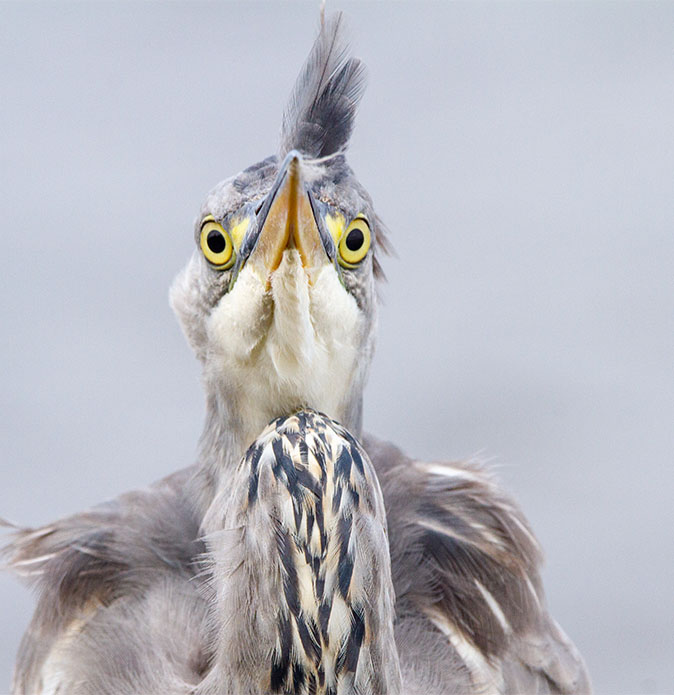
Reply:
x=465, y=568
x=470, y=610
x=113, y=581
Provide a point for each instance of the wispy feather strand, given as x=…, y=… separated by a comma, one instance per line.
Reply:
x=318, y=119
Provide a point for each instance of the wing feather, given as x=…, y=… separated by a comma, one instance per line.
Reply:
x=102, y=578
x=470, y=609
x=465, y=559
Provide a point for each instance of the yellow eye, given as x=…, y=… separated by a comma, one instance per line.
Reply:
x=216, y=244
x=355, y=243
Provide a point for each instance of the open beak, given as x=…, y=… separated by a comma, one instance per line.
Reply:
x=287, y=220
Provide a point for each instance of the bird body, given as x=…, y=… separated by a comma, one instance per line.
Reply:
x=126, y=607
x=301, y=556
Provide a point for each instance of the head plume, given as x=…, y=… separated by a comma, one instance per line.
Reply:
x=319, y=117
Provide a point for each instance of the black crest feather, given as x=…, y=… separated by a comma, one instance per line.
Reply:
x=319, y=117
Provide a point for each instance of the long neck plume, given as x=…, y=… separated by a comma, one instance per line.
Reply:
x=301, y=568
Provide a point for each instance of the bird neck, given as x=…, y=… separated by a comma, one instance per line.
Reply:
x=230, y=430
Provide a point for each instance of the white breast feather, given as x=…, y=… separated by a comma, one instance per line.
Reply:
x=294, y=345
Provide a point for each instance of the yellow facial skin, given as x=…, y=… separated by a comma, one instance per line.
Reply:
x=354, y=243
x=335, y=224
x=216, y=244
x=238, y=231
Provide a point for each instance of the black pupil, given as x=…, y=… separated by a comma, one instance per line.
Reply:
x=355, y=239
x=216, y=241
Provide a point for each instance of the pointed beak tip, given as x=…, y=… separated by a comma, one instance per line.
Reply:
x=293, y=165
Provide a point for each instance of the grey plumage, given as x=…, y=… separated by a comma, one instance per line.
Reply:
x=124, y=571
x=161, y=580
x=265, y=567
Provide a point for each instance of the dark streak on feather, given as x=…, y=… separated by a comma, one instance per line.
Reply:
x=336, y=499
x=355, y=639
x=281, y=664
x=321, y=525
x=254, y=459
x=290, y=585
x=343, y=465
x=324, y=618
x=345, y=562
x=309, y=638
x=357, y=459
x=298, y=678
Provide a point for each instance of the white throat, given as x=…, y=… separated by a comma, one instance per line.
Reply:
x=291, y=346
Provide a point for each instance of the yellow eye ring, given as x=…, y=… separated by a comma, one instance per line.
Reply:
x=355, y=243
x=216, y=244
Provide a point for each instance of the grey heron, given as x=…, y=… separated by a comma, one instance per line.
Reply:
x=305, y=555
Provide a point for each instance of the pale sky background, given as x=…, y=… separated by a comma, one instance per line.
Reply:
x=523, y=157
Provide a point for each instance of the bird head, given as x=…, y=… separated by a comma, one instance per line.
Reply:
x=278, y=300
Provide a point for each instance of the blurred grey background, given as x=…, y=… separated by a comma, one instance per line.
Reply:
x=523, y=157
